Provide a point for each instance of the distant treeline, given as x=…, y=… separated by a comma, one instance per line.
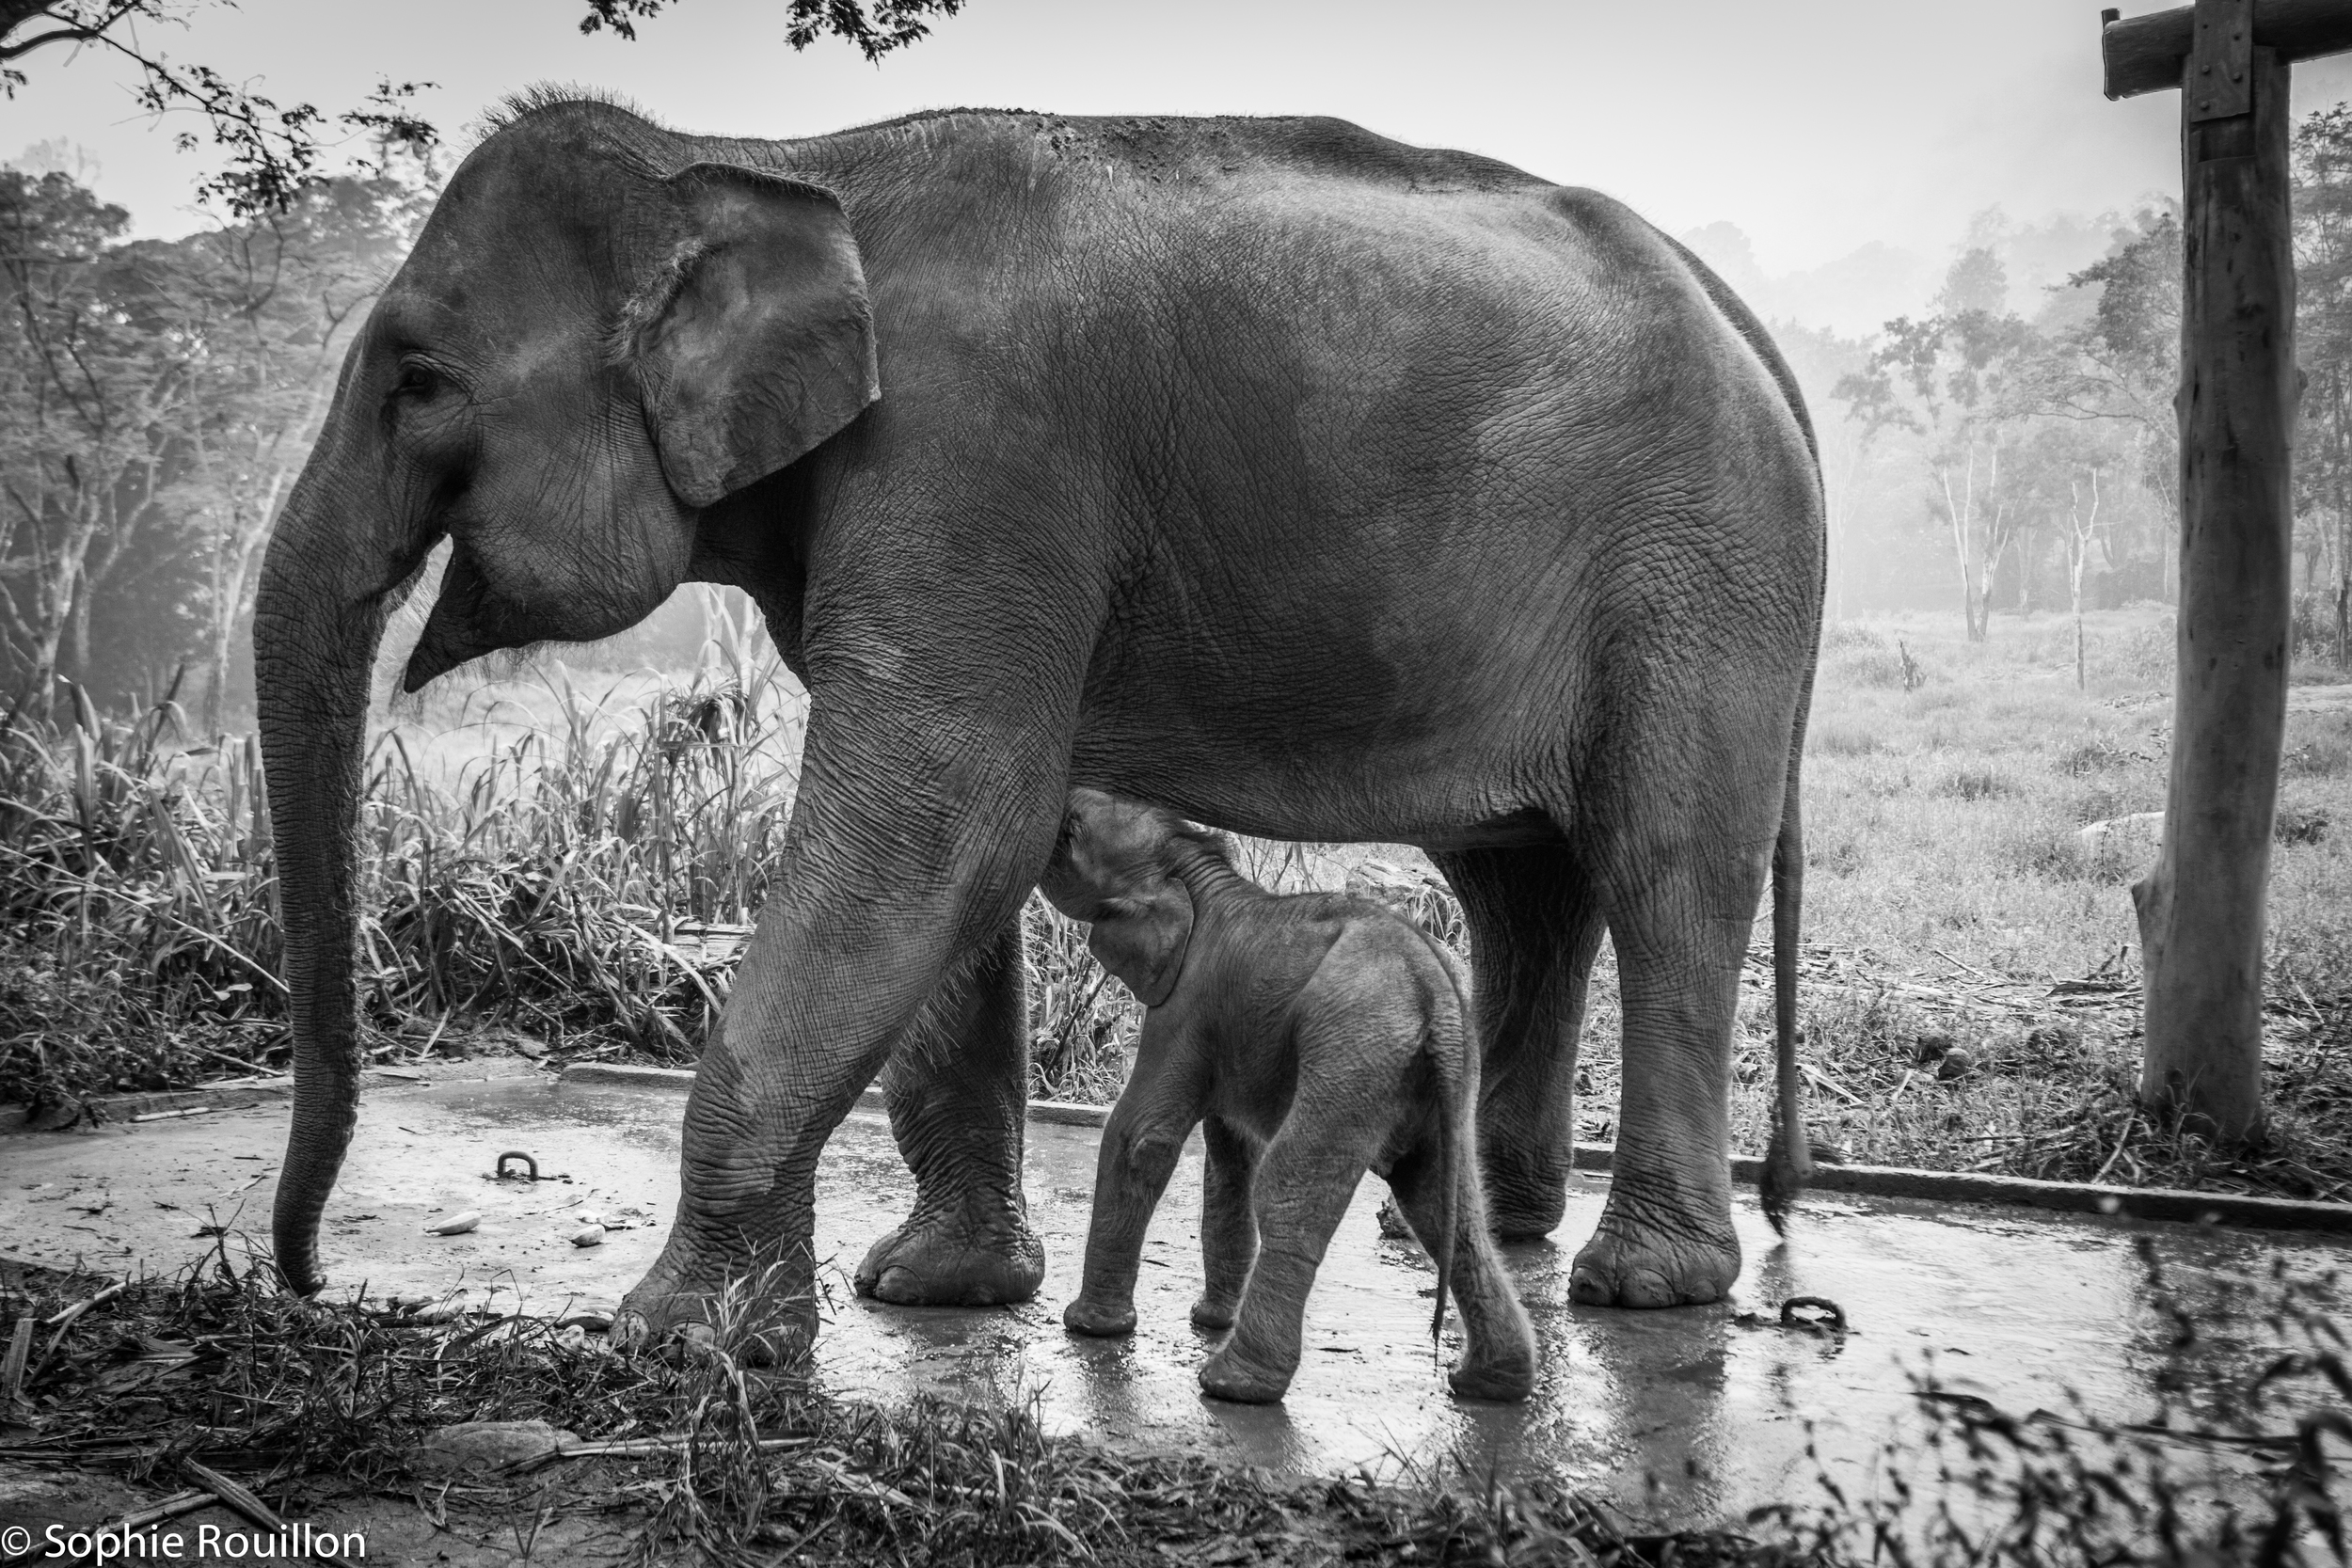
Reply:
x=2029, y=460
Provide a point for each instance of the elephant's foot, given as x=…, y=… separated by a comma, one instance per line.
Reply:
x=941, y=1259
x=1215, y=1313
x=1503, y=1377
x=1100, y=1320
x=1230, y=1376
x=1525, y=1206
x=1628, y=1266
x=762, y=1319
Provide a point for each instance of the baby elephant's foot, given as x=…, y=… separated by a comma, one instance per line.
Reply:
x=1505, y=1378
x=1101, y=1319
x=1229, y=1376
x=1213, y=1313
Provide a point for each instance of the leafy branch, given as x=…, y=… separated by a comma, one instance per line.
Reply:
x=890, y=24
x=273, y=151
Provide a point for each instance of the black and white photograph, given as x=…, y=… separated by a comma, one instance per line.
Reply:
x=807, y=782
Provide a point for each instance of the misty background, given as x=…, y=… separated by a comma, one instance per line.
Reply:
x=1969, y=255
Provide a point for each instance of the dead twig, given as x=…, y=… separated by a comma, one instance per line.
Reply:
x=247, y=1504
x=12, y=1366
x=2129, y=1118
x=1830, y=1083
x=64, y=1320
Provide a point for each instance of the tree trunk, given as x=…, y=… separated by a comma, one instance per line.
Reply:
x=77, y=627
x=2344, y=522
x=2202, y=909
x=2076, y=554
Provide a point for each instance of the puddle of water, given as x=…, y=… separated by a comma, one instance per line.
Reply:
x=1687, y=1415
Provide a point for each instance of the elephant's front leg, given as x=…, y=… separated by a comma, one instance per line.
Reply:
x=1146, y=1134
x=916, y=835
x=957, y=1088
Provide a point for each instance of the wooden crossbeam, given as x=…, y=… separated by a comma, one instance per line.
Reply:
x=2146, y=54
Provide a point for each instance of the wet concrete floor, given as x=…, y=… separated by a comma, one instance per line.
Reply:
x=1688, y=1417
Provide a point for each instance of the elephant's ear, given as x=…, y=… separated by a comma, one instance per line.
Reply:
x=754, y=340
x=1142, y=940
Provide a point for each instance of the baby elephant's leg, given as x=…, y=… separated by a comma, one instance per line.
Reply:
x=1498, y=1342
x=1229, y=1230
x=1305, y=1182
x=1140, y=1144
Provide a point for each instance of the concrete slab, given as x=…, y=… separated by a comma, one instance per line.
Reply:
x=1686, y=1417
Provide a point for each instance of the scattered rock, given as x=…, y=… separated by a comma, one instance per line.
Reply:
x=2138, y=834
x=1958, y=1062
x=457, y=1224
x=588, y=1235
x=476, y=1447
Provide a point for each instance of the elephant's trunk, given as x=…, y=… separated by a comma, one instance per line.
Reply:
x=318, y=616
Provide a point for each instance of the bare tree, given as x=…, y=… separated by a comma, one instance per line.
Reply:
x=2082, y=531
x=85, y=390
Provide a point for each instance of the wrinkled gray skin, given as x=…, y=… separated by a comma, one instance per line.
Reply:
x=1319, y=1037
x=1310, y=484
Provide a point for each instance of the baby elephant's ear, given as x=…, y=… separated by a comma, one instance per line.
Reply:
x=1143, y=943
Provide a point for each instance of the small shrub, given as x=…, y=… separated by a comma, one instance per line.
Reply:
x=1859, y=657
x=2323, y=750
x=2098, y=754
x=2300, y=824
x=2052, y=854
x=1976, y=783
x=1841, y=737
x=1843, y=635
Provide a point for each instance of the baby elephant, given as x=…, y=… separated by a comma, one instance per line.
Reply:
x=1319, y=1036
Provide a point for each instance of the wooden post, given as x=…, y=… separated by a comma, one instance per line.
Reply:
x=2202, y=909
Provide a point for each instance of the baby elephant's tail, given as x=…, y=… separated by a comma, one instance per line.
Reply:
x=1457, y=1106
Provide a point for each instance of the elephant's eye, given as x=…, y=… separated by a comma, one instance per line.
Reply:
x=417, y=380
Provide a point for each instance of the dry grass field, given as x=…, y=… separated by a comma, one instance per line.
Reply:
x=1953, y=901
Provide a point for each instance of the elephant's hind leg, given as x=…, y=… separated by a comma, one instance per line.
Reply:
x=1683, y=898
x=1535, y=927
x=1305, y=1181
x=957, y=1088
x=1229, y=1228
x=1498, y=1342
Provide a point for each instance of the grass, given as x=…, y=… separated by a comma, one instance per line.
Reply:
x=329, y=1401
x=698, y=1456
x=564, y=857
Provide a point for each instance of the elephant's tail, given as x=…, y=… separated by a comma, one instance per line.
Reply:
x=1789, y=1162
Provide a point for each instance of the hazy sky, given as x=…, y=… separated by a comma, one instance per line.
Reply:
x=1815, y=125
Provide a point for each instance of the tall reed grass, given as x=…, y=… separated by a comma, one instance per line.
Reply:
x=585, y=879
x=565, y=880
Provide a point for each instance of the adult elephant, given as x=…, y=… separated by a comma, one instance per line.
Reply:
x=1312, y=485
